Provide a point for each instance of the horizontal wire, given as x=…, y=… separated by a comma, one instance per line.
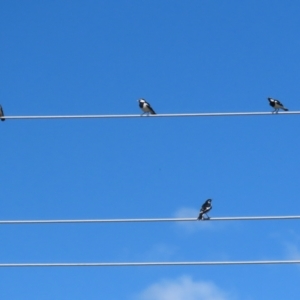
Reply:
x=153, y=264
x=262, y=218
x=230, y=114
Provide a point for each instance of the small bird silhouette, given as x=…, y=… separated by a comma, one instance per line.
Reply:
x=206, y=207
x=276, y=104
x=1, y=114
x=146, y=107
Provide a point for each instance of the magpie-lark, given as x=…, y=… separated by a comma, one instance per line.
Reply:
x=276, y=104
x=206, y=207
x=146, y=107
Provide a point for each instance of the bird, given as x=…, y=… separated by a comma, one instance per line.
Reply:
x=277, y=105
x=146, y=107
x=205, y=208
x=1, y=113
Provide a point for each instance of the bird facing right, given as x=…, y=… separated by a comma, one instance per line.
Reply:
x=206, y=207
x=276, y=104
x=1, y=113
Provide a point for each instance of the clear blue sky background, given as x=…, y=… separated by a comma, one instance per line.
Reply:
x=99, y=57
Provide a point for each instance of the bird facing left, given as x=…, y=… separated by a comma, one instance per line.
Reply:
x=146, y=107
x=276, y=104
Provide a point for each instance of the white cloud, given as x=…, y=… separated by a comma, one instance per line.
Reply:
x=183, y=288
x=186, y=212
x=291, y=242
x=293, y=252
x=191, y=226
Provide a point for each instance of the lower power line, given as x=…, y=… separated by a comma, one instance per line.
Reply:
x=146, y=220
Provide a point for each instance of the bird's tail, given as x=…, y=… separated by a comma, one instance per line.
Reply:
x=153, y=112
x=200, y=216
x=285, y=109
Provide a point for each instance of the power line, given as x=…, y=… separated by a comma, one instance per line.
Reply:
x=230, y=114
x=154, y=264
x=149, y=220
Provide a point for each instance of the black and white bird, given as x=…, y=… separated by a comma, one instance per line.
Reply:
x=146, y=107
x=276, y=104
x=1, y=113
x=206, y=207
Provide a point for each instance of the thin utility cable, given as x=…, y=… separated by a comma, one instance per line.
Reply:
x=149, y=220
x=229, y=114
x=154, y=264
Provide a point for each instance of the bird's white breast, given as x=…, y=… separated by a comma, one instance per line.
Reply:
x=145, y=108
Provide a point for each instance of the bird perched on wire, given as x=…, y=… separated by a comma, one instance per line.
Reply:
x=276, y=104
x=1, y=113
x=146, y=107
x=206, y=207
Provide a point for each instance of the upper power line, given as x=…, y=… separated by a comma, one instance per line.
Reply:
x=152, y=264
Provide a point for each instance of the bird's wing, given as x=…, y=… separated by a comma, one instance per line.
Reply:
x=151, y=109
x=279, y=103
x=206, y=209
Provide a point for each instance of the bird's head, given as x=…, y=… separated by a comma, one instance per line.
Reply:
x=141, y=100
x=271, y=99
x=209, y=201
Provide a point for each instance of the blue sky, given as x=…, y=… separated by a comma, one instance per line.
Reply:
x=99, y=57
